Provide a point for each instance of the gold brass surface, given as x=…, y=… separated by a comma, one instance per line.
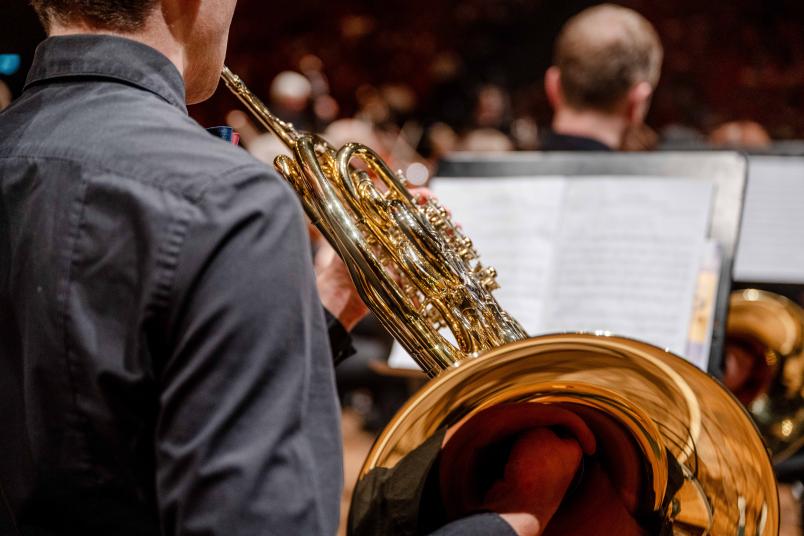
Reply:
x=776, y=325
x=420, y=275
x=663, y=400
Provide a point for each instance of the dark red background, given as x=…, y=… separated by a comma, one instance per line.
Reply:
x=740, y=59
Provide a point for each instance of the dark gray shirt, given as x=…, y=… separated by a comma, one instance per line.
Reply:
x=164, y=361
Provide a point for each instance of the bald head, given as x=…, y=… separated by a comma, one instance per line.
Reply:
x=602, y=53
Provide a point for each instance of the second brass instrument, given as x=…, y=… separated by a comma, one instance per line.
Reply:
x=768, y=329
x=706, y=468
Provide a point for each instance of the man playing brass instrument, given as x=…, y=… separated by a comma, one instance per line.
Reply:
x=164, y=365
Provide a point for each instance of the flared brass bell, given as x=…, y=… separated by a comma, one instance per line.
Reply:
x=678, y=416
x=768, y=330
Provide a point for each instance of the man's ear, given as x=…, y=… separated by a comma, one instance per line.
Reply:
x=181, y=17
x=639, y=102
x=552, y=87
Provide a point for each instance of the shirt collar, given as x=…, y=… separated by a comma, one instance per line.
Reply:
x=108, y=57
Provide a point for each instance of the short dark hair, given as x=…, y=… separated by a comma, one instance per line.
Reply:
x=602, y=52
x=112, y=15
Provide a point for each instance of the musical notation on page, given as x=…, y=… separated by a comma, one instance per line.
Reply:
x=628, y=255
x=771, y=246
x=513, y=224
x=619, y=255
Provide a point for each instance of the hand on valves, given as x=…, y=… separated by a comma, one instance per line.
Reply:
x=335, y=288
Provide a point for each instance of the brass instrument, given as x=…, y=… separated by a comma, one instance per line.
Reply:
x=706, y=469
x=769, y=330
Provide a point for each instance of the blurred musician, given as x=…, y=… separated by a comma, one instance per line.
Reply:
x=607, y=62
x=745, y=135
x=164, y=366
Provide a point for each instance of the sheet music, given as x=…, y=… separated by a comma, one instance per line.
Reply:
x=512, y=223
x=771, y=246
x=628, y=256
x=588, y=254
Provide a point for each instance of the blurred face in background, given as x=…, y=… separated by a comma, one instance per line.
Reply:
x=491, y=107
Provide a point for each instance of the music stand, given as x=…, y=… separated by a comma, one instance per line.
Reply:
x=770, y=254
x=726, y=170
x=781, y=148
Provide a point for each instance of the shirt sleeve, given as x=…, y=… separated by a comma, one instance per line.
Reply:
x=339, y=339
x=248, y=439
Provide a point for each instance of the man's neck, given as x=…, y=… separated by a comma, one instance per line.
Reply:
x=607, y=129
x=156, y=35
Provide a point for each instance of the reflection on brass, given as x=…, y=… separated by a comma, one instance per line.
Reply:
x=769, y=329
x=421, y=276
x=690, y=508
x=665, y=402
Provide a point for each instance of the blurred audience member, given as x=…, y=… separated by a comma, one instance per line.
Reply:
x=401, y=101
x=639, y=138
x=371, y=106
x=491, y=122
x=677, y=136
x=441, y=139
x=740, y=135
x=290, y=98
x=325, y=107
x=449, y=100
x=606, y=66
x=485, y=140
x=312, y=67
x=384, y=121
x=344, y=131
x=492, y=108
x=525, y=133
x=5, y=96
